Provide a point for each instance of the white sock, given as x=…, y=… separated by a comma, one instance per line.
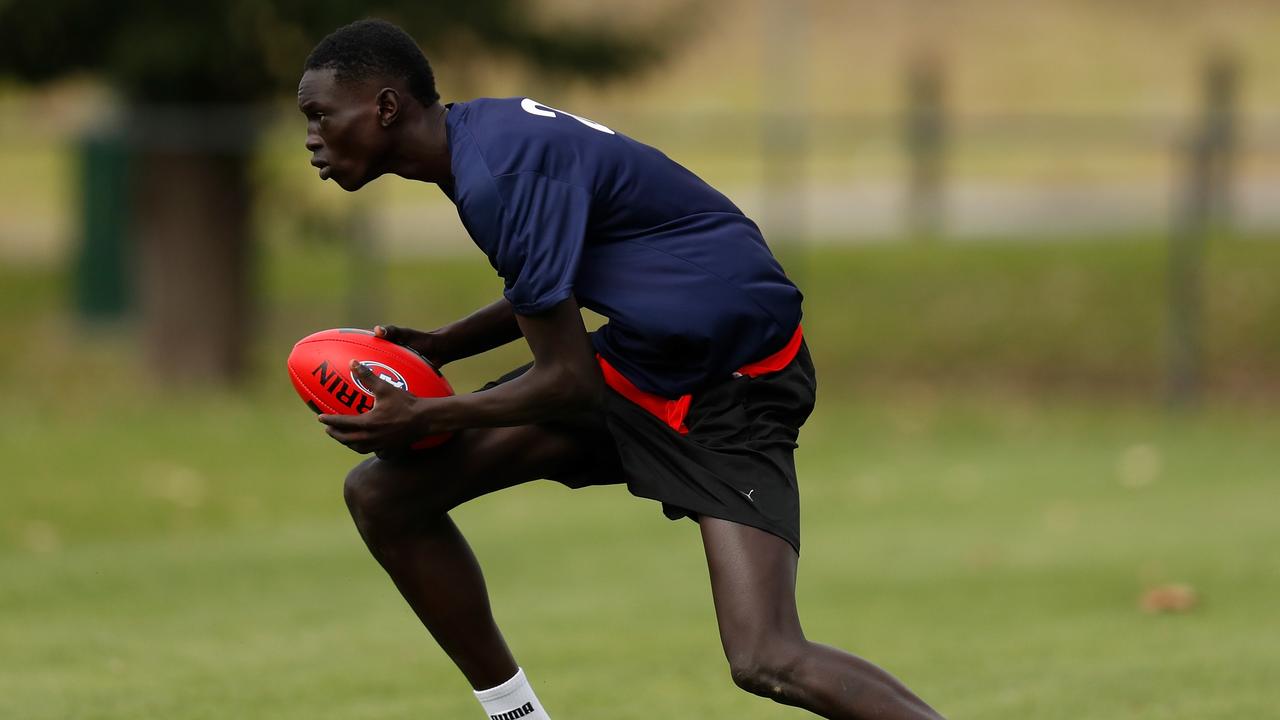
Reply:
x=511, y=700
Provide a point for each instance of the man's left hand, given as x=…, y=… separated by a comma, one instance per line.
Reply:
x=395, y=422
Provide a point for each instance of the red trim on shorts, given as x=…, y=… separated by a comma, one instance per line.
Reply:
x=673, y=412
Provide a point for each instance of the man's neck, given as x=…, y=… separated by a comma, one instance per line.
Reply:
x=424, y=151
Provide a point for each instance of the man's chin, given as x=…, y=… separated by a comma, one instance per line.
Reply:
x=349, y=185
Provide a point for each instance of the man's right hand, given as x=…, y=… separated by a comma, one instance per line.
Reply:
x=429, y=345
x=489, y=327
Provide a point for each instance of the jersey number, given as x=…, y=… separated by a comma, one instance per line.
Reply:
x=533, y=107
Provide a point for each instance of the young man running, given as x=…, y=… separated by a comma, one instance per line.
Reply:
x=693, y=393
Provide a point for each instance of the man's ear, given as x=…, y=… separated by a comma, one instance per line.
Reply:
x=388, y=106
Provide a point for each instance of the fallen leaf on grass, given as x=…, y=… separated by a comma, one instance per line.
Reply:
x=1174, y=598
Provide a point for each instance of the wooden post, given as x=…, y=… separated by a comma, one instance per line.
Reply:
x=1185, y=275
x=925, y=134
x=1204, y=206
x=1221, y=83
x=784, y=131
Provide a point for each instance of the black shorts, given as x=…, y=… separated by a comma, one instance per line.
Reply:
x=737, y=461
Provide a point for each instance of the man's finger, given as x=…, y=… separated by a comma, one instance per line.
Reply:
x=352, y=442
x=370, y=381
x=349, y=438
x=343, y=422
x=356, y=440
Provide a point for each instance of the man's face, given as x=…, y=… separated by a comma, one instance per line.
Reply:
x=344, y=135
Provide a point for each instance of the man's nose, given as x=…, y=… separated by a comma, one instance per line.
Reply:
x=313, y=142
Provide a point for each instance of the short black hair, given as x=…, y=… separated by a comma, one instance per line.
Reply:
x=375, y=48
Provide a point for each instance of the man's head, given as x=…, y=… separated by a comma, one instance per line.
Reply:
x=356, y=85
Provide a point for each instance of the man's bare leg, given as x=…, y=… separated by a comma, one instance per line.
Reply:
x=753, y=582
x=400, y=507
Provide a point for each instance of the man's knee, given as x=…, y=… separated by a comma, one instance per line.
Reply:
x=768, y=670
x=361, y=490
x=379, y=499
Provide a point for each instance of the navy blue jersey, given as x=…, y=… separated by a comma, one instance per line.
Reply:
x=564, y=206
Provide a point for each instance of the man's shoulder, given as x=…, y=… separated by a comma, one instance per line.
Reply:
x=502, y=124
x=522, y=113
x=519, y=134
x=483, y=109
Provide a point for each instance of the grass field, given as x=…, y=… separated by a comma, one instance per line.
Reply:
x=186, y=554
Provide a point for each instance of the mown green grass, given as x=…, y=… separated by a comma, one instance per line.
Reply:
x=185, y=554
x=194, y=562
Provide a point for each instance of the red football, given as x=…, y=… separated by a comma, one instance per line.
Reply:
x=320, y=368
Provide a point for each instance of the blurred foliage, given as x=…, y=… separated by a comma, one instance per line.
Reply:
x=244, y=50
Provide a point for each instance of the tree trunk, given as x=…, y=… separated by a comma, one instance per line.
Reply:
x=192, y=230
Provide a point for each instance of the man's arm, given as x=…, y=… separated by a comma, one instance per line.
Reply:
x=564, y=381
x=491, y=326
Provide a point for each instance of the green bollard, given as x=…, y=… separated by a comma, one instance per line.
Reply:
x=101, y=277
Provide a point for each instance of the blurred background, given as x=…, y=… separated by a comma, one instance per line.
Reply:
x=1040, y=246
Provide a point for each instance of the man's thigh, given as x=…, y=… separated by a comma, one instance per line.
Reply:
x=753, y=583
x=476, y=462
